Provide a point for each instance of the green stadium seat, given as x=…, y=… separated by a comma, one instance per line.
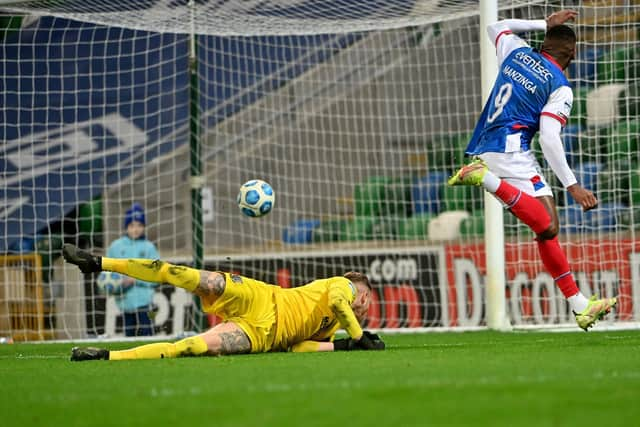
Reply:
x=90, y=218
x=579, y=111
x=397, y=199
x=49, y=247
x=386, y=228
x=634, y=189
x=629, y=101
x=463, y=198
x=329, y=230
x=383, y=196
x=514, y=227
x=473, y=226
x=370, y=196
x=415, y=227
x=619, y=65
x=624, y=141
x=446, y=152
x=358, y=228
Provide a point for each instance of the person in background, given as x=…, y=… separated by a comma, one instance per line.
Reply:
x=136, y=298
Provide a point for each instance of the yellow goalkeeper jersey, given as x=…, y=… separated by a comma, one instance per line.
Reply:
x=305, y=313
x=275, y=318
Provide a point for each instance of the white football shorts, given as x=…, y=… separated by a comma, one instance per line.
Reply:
x=520, y=169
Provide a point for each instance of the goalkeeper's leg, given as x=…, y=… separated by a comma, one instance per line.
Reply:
x=143, y=269
x=225, y=338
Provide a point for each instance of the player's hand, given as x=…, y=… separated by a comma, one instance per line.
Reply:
x=368, y=341
x=583, y=197
x=560, y=17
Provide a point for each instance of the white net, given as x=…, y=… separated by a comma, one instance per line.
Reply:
x=255, y=17
x=356, y=127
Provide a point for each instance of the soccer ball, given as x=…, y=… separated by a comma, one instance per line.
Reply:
x=256, y=198
x=109, y=282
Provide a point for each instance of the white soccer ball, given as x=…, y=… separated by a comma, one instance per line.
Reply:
x=256, y=198
x=109, y=282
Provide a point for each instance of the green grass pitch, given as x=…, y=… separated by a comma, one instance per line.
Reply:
x=474, y=378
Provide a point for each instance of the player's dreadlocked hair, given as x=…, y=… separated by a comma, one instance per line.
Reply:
x=354, y=276
x=561, y=33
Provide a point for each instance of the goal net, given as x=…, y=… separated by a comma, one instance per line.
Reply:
x=355, y=112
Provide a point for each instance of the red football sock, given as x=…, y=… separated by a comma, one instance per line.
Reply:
x=555, y=260
x=527, y=208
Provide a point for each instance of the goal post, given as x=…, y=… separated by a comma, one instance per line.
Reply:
x=493, y=212
x=356, y=112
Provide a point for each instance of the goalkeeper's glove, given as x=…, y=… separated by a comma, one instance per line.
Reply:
x=368, y=341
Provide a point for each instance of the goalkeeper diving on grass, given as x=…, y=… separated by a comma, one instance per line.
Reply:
x=256, y=317
x=532, y=94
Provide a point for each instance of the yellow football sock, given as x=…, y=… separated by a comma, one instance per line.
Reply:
x=192, y=346
x=154, y=271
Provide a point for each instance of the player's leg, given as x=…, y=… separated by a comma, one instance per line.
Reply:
x=538, y=211
x=144, y=269
x=225, y=338
x=587, y=311
x=525, y=207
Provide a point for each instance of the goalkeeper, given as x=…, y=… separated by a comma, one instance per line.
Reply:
x=257, y=317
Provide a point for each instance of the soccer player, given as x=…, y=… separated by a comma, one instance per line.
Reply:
x=532, y=94
x=257, y=317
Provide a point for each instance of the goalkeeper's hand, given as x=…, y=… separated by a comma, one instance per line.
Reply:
x=368, y=341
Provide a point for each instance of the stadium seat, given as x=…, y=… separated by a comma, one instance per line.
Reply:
x=634, y=186
x=329, y=230
x=587, y=175
x=602, y=104
x=90, y=218
x=301, y=231
x=629, y=101
x=571, y=139
x=446, y=226
x=397, y=198
x=358, y=228
x=619, y=65
x=49, y=247
x=606, y=218
x=415, y=227
x=584, y=69
x=473, y=226
x=22, y=246
x=382, y=196
x=386, y=227
x=369, y=196
x=514, y=227
x=579, y=110
x=446, y=152
x=462, y=198
x=624, y=141
x=426, y=193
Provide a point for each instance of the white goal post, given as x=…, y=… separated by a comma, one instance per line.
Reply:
x=354, y=111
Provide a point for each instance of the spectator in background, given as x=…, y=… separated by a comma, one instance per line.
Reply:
x=136, y=298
